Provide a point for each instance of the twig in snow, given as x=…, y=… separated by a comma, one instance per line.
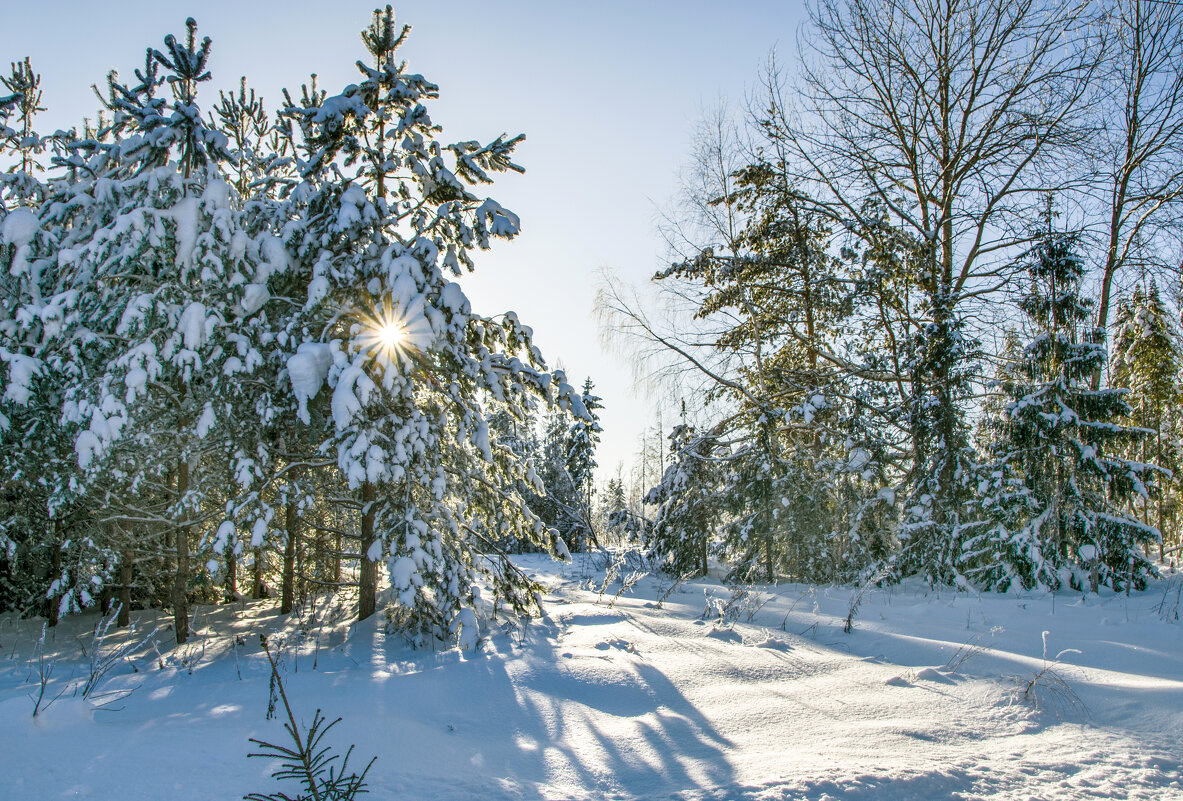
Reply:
x=969, y=649
x=1047, y=687
x=856, y=599
x=44, y=668
x=100, y=661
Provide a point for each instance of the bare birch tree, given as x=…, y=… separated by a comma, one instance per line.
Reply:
x=1140, y=141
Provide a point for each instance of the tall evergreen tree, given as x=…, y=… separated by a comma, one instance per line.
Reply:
x=1060, y=487
x=383, y=213
x=784, y=302
x=690, y=501
x=940, y=367
x=1146, y=360
x=582, y=439
x=153, y=239
x=30, y=442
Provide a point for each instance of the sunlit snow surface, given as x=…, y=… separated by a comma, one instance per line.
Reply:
x=625, y=700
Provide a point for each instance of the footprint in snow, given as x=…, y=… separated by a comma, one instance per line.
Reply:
x=623, y=645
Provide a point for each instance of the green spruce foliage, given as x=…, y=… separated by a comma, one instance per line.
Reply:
x=1060, y=487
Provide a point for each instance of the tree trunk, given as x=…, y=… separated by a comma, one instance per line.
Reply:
x=180, y=600
x=124, y=619
x=231, y=574
x=768, y=572
x=56, y=563
x=368, y=573
x=291, y=530
x=337, y=559
x=257, y=587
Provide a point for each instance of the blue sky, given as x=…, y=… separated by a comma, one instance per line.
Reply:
x=607, y=93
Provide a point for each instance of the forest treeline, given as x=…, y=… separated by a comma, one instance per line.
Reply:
x=929, y=288
x=929, y=292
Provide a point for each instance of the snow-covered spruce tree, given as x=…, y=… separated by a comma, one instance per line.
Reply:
x=613, y=504
x=157, y=338
x=49, y=532
x=556, y=505
x=1146, y=360
x=565, y=465
x=520, y=436
x=1067, y=524
x=755, y=529
x=582, y=439
x=690, y=501
x=782, y=507
x=383, y=212
x=996, y=548
x=278, y=477
x=626, y=525
x=40, y=574
x=936, y=361
x=939, y=480
x=21, y=512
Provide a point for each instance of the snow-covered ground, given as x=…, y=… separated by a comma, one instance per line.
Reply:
x=764, y=699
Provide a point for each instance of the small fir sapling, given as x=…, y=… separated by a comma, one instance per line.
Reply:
x=307, y=761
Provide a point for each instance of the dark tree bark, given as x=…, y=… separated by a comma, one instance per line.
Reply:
x=337, y=558
x=180, y=599
x=258, y=589
x=56, y=562
x=231, y=574
x=125, y=563
x=368, y=574
x=292, y=531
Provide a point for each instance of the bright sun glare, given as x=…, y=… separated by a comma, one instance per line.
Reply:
x=392, y=335
x=386, y=334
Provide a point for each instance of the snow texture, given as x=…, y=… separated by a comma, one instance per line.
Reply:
x=630, y=701
x=18, y=228
x=307, y=370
